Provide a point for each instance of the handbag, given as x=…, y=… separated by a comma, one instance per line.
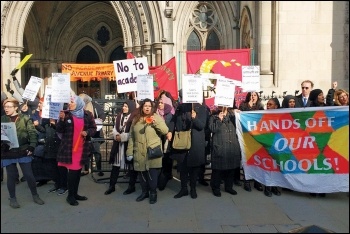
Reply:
x=153, y=153
x=182, y=140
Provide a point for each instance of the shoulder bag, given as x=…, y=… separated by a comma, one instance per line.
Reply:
x=155, y=152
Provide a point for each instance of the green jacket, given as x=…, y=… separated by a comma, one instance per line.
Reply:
x=137, y=144
x=26, y=135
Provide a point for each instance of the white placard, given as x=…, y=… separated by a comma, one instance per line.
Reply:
x=9, y=130
x=60, y=87
x=225, y=92
x=127, y=71
x=50, y=109
x=192, y=88
x=251, y=78
x=145, y=87
x=32, y=88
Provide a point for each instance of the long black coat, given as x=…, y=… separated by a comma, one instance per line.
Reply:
x=299, y=101
x=226, y=152
x=183, y=121
x=66, y=128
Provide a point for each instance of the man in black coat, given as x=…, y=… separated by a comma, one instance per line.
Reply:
x=302, y=100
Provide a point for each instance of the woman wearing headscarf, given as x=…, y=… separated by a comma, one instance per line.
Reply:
x=22, y=154
x=317, y=98
x=288, y=101
x=99, y=116
x=76, y=128
x=117, y=156
x=166, y=110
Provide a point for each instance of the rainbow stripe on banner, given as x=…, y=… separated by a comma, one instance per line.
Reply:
x=305, y=150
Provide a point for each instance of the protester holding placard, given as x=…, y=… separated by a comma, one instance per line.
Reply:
x=27, y=139
x=190, y=116
x=99, y=116
x=226, y=152
x=32, y=105
x=252, y=102
x=77, y=126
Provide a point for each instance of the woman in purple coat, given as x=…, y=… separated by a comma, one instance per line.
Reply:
x=76, y=126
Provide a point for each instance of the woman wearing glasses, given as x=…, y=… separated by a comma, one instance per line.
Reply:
x=22, y=154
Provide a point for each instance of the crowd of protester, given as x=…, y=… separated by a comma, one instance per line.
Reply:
x=67, y=149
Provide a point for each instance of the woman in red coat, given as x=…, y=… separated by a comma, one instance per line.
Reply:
x=76, y=126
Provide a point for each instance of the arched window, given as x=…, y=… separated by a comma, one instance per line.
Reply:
x=91, y=88
x=213, y=42
x=193, y=42
x=87, y=55
x=117, y=54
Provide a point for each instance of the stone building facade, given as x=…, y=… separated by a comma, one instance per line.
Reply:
x=290, y=41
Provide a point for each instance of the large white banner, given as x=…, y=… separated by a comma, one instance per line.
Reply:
x=305, y=150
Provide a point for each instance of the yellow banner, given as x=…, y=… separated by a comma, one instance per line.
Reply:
x=87, y=72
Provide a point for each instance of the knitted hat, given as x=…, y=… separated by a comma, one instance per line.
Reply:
x=314, y=94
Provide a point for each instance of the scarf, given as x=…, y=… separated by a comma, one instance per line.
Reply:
x=88, y=103
x=168, y=101
x=79, y=110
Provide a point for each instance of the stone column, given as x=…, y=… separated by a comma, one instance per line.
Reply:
x=15, y=59
x=158, y=51
x=265, y=40
x=138, y=51
x=147, y=51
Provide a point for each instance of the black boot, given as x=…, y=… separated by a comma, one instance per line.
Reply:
x=193, y=193
x=246, y=186
x=162, y=181
x=130, y=189
x=275, y=191
x=113, y=180
x=258, y=186
x=71, y=189
x=267, y=191
x=153, y=197
x=143, y=196
x=183, y=192
x=110, y=190
x=76, y=186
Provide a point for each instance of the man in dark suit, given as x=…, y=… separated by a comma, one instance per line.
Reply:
x=302, y=100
